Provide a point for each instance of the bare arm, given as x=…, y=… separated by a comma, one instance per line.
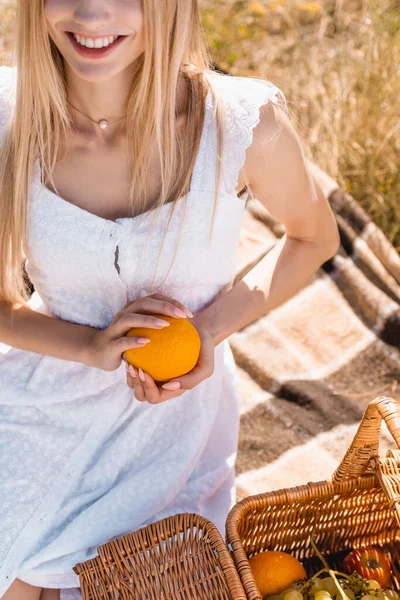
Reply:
x=283, y=272
x=280, y=179
x=26, y=329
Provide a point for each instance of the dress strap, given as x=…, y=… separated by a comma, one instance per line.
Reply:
x=242, y=98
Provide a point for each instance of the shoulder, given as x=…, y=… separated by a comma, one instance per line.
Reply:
x=276, y=144
x=246, y=93
x=8, y=78
x=247, y=102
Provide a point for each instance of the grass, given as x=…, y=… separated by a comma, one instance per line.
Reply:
x=338, y=63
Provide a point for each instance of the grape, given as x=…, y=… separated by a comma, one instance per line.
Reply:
x=316, y=586
x=348, y=595
x=293, y=595
x=283, y=594
x=373, y=585
x=330, y=586
x=347, y=590
x=322, y=595
x=390, y=594
x=368, y=597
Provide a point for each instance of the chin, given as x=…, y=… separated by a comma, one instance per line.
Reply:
x=97, y=72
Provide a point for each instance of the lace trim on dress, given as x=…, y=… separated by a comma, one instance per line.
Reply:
x=251, y=115
x=242, y=98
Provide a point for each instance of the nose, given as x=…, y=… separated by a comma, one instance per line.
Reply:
x=93, y=14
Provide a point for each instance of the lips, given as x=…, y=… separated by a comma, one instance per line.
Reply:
x=95, y=37
x=94, y=52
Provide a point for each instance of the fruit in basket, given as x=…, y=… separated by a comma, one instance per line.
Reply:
x=371, y=563
x=172, y=351
x=274, y=572
x=374, y=585
x=291, y=595
x=347, y=587
x=388, y=595
x=330, y=586
x=317, y=585
x=322, y=595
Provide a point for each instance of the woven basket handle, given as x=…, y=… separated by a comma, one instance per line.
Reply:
x=365, y=445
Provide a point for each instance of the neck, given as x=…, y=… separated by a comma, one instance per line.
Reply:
x=106, y=99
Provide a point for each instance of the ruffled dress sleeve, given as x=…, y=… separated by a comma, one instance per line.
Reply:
x=242, y=99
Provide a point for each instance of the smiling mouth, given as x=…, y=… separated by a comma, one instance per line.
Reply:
x=94, y=38
x=93, y=52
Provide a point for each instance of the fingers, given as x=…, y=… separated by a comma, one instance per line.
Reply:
x=144, y=390
x=140, y=393
x=129, y=319
x=148, y=387
x=135, y=383
x=147, y=390
x=130, y=374
x=160, y=303
x=173, y=302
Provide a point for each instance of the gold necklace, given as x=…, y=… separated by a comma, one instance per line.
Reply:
x=102, y=124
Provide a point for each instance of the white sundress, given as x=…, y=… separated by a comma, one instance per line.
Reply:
x=81, y=460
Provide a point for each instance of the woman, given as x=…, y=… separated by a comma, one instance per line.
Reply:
x=102, y=91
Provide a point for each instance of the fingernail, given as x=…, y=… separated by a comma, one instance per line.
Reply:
x=141, y=374
x=175, y=385
x=127, y=366
x=142, y=340
x=179, y=313
x=162, y=322
x=191, y=315
x=132, y=371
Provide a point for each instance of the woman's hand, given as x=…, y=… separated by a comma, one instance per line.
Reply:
x=107, y=346
x=153, y=393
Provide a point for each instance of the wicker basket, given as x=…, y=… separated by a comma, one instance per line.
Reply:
x=184, y=557
x=359, y=507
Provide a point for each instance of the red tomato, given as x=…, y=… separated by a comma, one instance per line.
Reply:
x=370, y=563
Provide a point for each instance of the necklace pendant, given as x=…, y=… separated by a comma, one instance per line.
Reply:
x=103, y=124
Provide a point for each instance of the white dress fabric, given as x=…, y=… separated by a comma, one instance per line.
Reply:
x=81, y=460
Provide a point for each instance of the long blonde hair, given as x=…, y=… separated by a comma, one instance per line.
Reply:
x=175, y=47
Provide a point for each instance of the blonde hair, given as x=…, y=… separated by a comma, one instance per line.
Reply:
x=175, y=47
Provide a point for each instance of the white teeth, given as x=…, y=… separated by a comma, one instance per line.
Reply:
x=98, y=43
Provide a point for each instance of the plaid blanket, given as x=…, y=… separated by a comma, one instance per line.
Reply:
x=308, y=368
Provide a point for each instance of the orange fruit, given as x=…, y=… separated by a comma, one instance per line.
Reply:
x=273, y=571
x=172, y=352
